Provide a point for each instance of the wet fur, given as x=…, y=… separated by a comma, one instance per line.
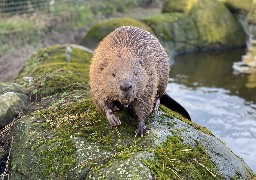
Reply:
x=129, y=53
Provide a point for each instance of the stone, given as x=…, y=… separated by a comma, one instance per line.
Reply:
x=206, y=25
x=69, y=138
x=13, y=100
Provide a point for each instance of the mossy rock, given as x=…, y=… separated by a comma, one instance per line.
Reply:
x=207, y=25
x=13, y=100
x=104, y=27
x=72, y=140
x=238, y=6
x=64, y=136
x=56, y=69
x=183, y=6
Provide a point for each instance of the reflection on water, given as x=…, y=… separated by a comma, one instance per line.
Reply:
x=218, y=99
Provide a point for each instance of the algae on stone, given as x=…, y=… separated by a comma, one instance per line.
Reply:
x=104, y=27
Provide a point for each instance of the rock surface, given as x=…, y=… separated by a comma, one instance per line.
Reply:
x=201, y=25
x=13, y=100
x=66, y=137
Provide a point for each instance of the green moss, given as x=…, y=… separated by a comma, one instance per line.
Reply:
x=55, y=156
x=172, y=159
x=162, y=24
x=56, y=69
x=237, y=5
x=183, y=6
x=82, y=119
x=173, y=114
x=104, y=27
x=162, y=18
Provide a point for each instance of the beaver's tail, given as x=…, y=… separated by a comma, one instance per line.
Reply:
x=174, y=105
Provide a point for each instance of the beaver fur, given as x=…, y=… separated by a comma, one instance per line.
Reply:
x=129, y=68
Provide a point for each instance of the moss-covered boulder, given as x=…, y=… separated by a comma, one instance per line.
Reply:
x=56, y=69
x=183, y=6
x=202, y=25
x=104, y=27
x=66, y=137
x=13, y=101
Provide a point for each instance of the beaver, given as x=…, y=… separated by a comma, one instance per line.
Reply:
x=130, y=68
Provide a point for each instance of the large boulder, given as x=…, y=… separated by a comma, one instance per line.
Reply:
x=66, y=137
x=190, y=25
x=101, y=29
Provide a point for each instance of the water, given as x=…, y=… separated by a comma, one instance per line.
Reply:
x=218, y=99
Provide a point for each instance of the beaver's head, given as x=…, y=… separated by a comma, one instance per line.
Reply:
x=125, y=77
x=130, y=78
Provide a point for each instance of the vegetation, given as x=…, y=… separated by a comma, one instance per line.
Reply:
x=64, y=68
x=178, y=161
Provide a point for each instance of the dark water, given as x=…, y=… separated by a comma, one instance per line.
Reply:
x=218, y=99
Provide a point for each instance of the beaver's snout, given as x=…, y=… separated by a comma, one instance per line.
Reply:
x=126, y=86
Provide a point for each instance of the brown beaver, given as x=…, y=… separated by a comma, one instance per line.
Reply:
x=129, y=68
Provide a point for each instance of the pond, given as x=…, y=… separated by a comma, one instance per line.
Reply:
x=218, y=98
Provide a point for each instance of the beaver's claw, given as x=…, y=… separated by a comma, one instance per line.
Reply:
x=113, y=119
x=141, y=129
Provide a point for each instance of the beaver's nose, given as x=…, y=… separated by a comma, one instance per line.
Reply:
x=126, y=85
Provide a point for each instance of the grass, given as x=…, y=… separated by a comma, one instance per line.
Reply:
x=33, y=28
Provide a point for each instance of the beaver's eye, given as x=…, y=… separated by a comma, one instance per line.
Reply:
x=113, y=74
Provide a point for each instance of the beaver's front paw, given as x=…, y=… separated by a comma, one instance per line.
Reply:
x=141, y=129
x=113, y=119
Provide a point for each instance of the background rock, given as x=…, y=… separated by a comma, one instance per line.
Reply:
x=202, y=25
x=13, y=100
x=104, y=27
x=238, y=6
